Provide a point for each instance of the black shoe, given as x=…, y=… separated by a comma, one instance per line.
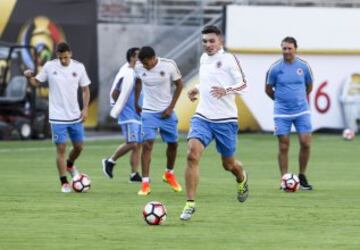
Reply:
x=136, y=178
x=304, y=185
x=108, y=168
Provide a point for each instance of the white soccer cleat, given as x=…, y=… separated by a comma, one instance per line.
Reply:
x=66, y=188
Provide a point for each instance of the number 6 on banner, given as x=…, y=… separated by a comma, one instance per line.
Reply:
x=319, y=95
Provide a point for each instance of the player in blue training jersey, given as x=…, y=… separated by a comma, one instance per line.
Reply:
x=288, y=82
x=123, y=101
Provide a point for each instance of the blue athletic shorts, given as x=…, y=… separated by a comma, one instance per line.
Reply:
x=302, y=124
x=132, y=132
x=225, y=135
x=60, y=131
x=152, y=122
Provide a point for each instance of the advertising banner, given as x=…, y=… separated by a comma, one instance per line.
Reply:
x=42, y=24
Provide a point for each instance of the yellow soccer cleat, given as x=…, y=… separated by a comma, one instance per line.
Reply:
x=243, y=189
x=188, y=211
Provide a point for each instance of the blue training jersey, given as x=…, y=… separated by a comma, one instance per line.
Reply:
x=289, y=81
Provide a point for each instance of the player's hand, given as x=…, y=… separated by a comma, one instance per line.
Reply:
x=84, y=114
x=28, y=73
x=192, y=93
x=218, y=92
x=138, y=109
x=167, y=112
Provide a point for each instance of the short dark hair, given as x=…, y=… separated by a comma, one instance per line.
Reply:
x=146, y=53
x=130, y=53
x=211, y=29
x=62, y=47
x=290, y=39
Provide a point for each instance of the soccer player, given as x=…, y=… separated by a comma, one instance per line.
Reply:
x=155, y=76
x=65, y=75
x=288, y=82
x=221, y=78
x=122, y=92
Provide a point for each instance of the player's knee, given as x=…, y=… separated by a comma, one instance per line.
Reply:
x=305, y=145
x=61, y=149
x=147, y=146
x=192, y=156
x=284, y=147
x=172, y=146
x=133, y=145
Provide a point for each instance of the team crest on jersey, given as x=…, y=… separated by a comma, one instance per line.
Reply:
x=74, y=74
x=300, y=71
x=144, y=74
x=162, y=73
x=218, y=64
x=54, y=73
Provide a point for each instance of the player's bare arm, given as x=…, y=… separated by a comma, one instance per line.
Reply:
x=309, y=88
x=29, y=74
x=179, y=86
x=192, y=94
x=86, y=99
x=115, y=94
x=269, y=91
x=138, y=86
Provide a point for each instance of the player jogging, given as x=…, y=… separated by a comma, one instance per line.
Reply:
x=65, y=76
x=155, y=76
x=221, y=78
x=122, y=99
x=288, y=82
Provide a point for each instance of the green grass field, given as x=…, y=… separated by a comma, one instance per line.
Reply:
x=35, y=215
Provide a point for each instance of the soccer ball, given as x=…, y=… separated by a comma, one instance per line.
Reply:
x=154, y=213
x=81, y=183
x=290, y=182
x=348, y=134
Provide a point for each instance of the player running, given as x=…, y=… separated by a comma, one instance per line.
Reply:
x=288, y=82
x=122, y=92
x=221, y=78
x=65, y=76
x=156, y=76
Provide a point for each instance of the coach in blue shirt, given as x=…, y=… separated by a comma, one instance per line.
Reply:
x=288, y=82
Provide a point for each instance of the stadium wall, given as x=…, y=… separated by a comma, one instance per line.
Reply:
x=114, y=40
x=328, y=40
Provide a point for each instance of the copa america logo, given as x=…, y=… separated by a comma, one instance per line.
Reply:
x=43, y=34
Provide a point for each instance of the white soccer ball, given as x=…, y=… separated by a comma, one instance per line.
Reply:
x=290, y=182
x=81, y=183
x=348, y=134
x=154, y=213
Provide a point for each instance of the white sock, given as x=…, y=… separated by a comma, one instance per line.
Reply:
x=132, y=174
x=169, y=170
x=146, y=179
x=111, y=160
